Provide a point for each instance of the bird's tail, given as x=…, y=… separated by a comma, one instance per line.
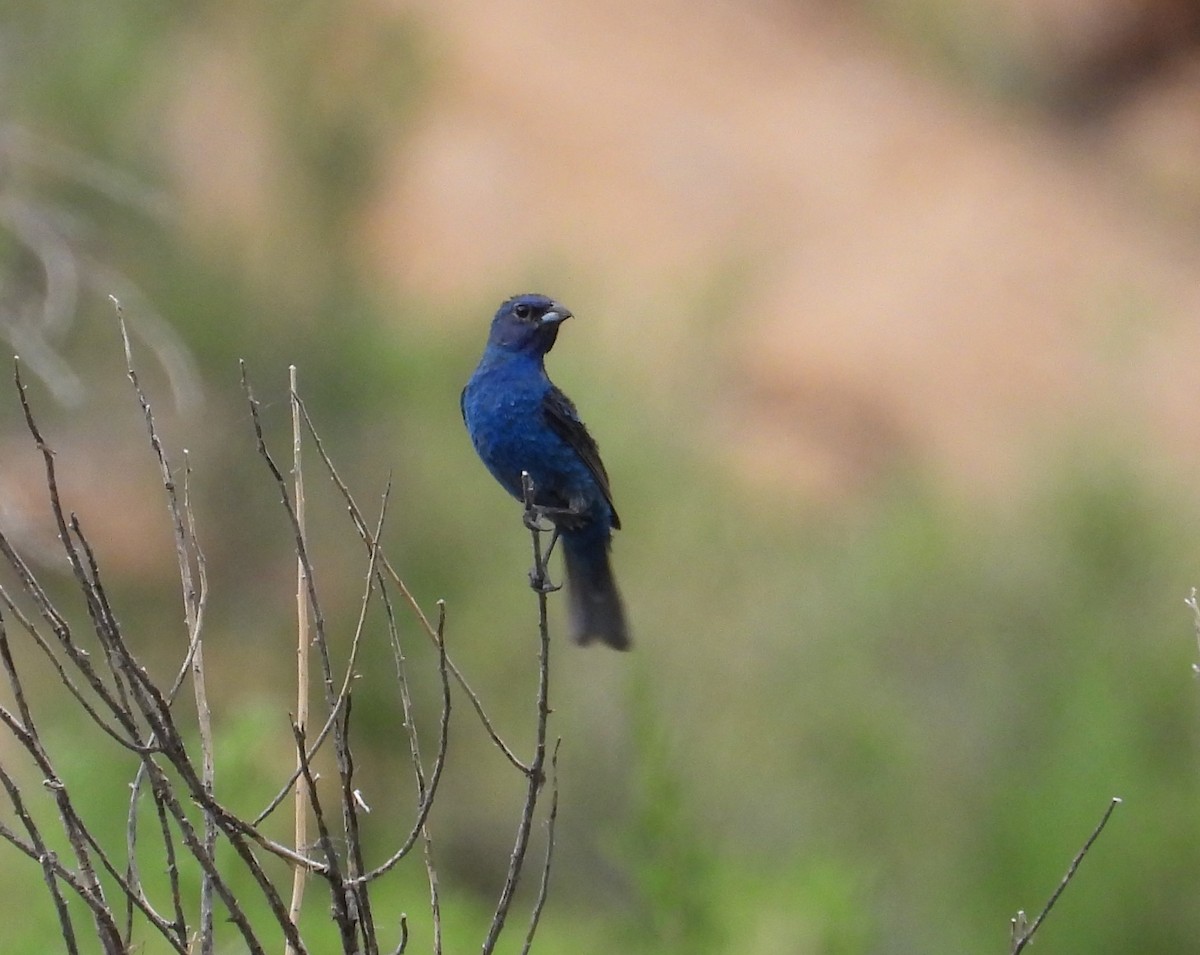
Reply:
x=594, y=605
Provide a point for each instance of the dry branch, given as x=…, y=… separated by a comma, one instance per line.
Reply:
x=111, y=696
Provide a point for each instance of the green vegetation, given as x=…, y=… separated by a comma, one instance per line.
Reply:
x=883, y=726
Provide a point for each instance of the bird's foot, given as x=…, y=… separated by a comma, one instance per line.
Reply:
x=558, y=517
x=534, y=516
x=540, y=581
x=545, y=510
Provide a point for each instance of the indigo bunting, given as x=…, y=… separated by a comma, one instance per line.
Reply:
x=519, y=421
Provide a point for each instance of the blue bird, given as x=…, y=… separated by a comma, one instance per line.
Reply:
x=519, y=421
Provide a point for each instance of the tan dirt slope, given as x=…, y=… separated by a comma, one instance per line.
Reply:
x=915, y=275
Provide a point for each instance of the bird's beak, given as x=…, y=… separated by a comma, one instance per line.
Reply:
x=559, y=313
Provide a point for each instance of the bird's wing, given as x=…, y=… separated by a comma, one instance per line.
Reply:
x=564, y=421
x=462, y=405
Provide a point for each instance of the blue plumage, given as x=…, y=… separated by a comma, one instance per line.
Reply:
x=519, y=421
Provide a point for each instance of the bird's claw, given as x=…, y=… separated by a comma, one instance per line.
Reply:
x=541, y=582
x=560, y=513
x=533, y=521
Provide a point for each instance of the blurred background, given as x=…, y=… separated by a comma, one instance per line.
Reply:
x=888, y=327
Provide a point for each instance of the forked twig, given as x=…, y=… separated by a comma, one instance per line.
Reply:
x=195, y=597
x=425, y=791
x=176, y=769
x=364, y=532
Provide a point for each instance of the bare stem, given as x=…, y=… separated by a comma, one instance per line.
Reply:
x=544, y=884
x=1022, y=930
x=534, y=775
x=105, y=680
x=365, y=533
x=301, y=798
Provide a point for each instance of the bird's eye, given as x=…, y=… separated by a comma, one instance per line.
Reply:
x=522, y=310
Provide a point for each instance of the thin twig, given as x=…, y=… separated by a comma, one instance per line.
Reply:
x=431, y=876
x=91, y=890
x=403, y=943
x=341, y=915
x=164, y=825
x=544, y=884
x=137, y=713
x=435, y=900
x=539, y=581
x=62, y=630
x=194, y=604
x=196, y=846
x=52, y=872
x=195, y=601
x=125, y=673
x=425, y=792
x=300, y=807
x=1192, y=603
x=45, y=608
x=359, y=893
x=301, y=546
x=169, y=930
x=430, y=631
x=37, y=847
x=315, y=745
x=1022, y=931
x=155, y=709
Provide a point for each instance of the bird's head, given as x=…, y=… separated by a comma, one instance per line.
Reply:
x=528, y=323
